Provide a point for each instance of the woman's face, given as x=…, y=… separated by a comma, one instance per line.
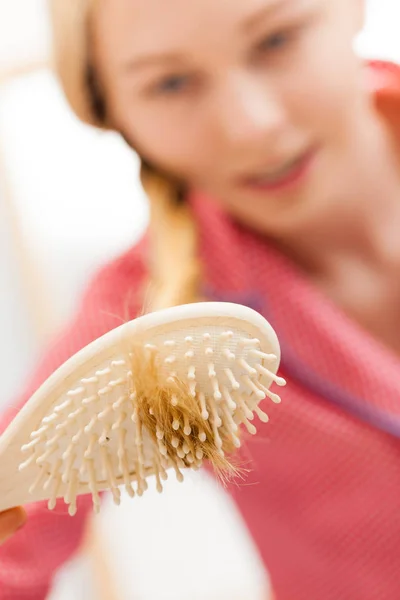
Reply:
x=250, y=101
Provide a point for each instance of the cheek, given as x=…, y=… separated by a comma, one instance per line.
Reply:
x=325, y=78
x=323, y=103
x=174, y=142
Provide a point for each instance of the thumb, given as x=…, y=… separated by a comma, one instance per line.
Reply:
x=10, y=522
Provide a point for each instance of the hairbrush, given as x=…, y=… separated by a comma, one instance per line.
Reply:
x=166, y=391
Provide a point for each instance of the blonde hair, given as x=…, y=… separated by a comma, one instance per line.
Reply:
x=174, y=266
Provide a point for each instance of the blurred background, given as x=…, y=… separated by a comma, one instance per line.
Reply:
x=69, y=200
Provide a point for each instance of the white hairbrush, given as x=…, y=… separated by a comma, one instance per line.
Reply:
x=167, y=390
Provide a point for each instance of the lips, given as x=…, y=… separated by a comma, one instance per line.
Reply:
x=289, y=173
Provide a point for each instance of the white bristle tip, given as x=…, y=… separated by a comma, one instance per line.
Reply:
x=150, y=347
x=90, y=400
x=227, y=335
x=251, y=429
x=130, y=491
x=92, y=380
x=39, y=432
x=103, y=372
x=29, y=446
x=62, y=406
x=75, y=393
x=50, y=419
x=118, y=363
x=249, y=342
x=64, y=478
x=268, y=357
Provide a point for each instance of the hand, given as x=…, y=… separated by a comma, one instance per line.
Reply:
x=10, y=522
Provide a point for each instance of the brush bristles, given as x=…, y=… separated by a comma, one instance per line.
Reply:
x=174, y=418
x=171, y=404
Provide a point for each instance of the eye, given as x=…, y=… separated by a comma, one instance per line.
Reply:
x=275, y=41
x=172, y=85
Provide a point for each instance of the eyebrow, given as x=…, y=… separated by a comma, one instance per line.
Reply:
x=152, y=60
x=265, y=11
x=157, y=59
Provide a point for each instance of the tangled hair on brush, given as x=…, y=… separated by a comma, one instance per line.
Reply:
x=174, y=266
x=172, y=415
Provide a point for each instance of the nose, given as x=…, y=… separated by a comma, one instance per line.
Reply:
x=248, y=110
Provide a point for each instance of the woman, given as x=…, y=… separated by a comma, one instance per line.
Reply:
x=270, y=157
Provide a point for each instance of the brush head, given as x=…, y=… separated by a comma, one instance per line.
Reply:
x=165, y=391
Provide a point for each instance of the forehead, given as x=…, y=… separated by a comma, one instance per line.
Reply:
x=147, y=23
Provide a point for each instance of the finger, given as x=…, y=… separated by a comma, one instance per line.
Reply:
x=10, y=522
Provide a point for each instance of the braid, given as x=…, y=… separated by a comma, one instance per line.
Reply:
x=174, y=266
